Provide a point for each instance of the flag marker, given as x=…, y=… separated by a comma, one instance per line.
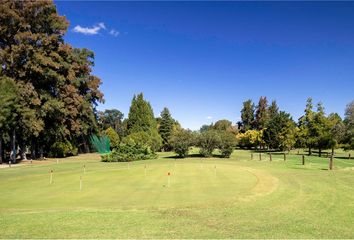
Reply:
x=169, y=179
x=51, y=177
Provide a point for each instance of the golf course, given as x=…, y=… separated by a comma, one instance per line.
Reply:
x=170, y=197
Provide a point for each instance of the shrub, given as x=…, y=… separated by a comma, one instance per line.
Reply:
x=127, y=152
x=113, y=137
x=227, y=143
x=180, y=142
x=208, y=141
x=63, y=149
x=151, y=139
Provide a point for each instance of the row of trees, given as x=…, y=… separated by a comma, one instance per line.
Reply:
x=48, y=94
x=265, y=126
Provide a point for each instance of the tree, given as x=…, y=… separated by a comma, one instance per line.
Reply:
x=166, y=128
x=247, y=115
x=208, y=141
x=9, y=104
x=112, y=118
x=337, y=130
x=349, y=126
x=249, y=139
x=205, y=128
x=181, y=141
x=141, y=123
x=320, y=130
x=280, y=132
x=113, y=137
x=58, y=93
x=227, y=143
x=273, y=110
x=307, y=135
x=261, y=116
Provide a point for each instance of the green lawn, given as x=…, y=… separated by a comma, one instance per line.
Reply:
x=207, y=198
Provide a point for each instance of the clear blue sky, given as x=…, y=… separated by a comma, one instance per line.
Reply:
x=203, y=59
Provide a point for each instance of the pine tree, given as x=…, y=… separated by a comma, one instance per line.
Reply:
x=261, y=116
x=247, y=115
x=166, y=128
x=273, y=109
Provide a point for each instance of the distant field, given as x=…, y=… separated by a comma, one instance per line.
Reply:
x=206, y=198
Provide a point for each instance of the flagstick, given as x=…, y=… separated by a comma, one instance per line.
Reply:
x=51, y=177
x=169, y=179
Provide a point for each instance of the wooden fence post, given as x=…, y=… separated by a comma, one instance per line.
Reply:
x=303, y=159
x=284, y=157
x=260, y=156
x=270, y=157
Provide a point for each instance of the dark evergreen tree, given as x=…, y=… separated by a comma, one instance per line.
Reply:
x=166, y=128
x=261, y=116
x=247, y=115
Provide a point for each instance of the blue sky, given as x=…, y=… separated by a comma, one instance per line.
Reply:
x=203, y=59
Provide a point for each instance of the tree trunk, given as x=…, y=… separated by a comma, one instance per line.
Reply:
x=0, y=150
x=303, y=159
x=320, y=152
x=310, y=151
x=331, y=162
x=13, y=153
x=284, y=157
x=41, y=152
x=22, y=150
x=332, y=151
x=270, y=157
x=33, y=150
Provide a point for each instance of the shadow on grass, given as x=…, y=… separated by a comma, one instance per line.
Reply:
x=194, y=155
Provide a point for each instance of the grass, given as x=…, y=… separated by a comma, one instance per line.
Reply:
x=207, y=198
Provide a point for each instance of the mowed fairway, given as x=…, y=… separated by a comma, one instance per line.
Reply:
x=207, y=198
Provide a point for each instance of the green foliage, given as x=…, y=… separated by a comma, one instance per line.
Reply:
x=181, y=141
x=141, y=116
x=63, y=149
x=247, y=115
x=280, y=132
x=261, y=115
x=349, y=126
x=112, y=118
x=166, y=128
x=208, y=141
x=141, y=124
x=127, y=152
x=227, y=143
x=100, y=143
x=113, y=137
x=153, y=140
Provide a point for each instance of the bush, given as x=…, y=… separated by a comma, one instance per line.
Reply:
x=227, y=143
x=127, y=152
x=180, y=142
x=208, y=141
x=113, y=137
x=151, y=139
x=62, y=149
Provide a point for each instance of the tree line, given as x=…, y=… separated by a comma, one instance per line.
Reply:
x=48, y=94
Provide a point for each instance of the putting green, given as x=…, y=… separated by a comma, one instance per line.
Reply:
x=244, y=198
x=135, y=185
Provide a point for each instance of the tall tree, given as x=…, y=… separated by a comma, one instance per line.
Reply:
x=349, y=126
x=307, y=135
x=273, y=109
x=261, y=116
x=247, y=115
x=166, y=128
x=141, y=123
x=337, y=130
x=112, y=118
x=58, y=92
